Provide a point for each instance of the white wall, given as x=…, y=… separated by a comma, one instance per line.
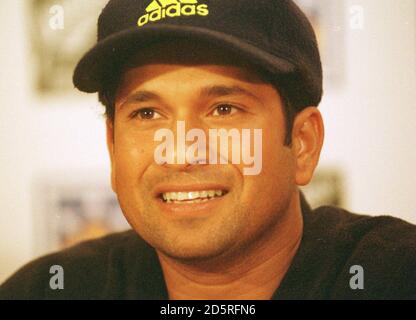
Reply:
x=369, y=124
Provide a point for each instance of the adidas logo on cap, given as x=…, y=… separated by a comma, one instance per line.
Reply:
x=161, y=9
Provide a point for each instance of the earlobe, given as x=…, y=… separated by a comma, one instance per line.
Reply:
x=308, y=136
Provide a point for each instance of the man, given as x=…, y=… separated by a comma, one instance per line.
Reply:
x=205, y=227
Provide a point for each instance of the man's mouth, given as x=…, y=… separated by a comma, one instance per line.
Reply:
x=191, y=196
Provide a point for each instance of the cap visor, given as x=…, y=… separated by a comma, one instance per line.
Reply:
x=105, y=58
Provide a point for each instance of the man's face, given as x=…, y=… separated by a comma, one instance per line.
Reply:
x=158, y=94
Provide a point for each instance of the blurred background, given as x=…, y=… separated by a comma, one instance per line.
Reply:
x=54, y=168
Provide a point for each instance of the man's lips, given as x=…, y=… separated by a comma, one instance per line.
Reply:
x=192, y=204
x=190, y=193
x=191, y=200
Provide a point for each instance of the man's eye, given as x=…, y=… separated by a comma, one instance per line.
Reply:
x=145, y=114
x=224, y=110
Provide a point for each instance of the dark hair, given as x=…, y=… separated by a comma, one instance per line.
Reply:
x=291, y=105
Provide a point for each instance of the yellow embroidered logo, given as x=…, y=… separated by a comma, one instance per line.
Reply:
x=161, y=9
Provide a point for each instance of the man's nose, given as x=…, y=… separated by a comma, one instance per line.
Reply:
x=189, y=144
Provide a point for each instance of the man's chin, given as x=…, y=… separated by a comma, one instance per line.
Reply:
x=193, y=254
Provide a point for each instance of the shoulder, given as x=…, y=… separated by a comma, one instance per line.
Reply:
x=378, y=232
x=89, y=262
x=384, y=246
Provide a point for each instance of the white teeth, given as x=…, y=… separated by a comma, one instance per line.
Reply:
x=191, y=196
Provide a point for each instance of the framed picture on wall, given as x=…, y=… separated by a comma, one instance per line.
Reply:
x=61, y=32
x=326, y=188
x=71, y=209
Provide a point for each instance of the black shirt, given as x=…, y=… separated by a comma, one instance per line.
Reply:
x=123, y=266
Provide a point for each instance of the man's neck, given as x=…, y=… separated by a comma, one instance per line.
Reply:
x=254, y=275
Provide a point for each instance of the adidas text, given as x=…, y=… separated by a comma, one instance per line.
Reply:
x=174, y=10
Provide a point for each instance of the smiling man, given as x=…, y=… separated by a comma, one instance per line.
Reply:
x=206, y=229
x=215, y=229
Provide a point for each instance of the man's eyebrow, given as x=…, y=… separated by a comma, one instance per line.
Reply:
x=223, y=90
x=140, y=96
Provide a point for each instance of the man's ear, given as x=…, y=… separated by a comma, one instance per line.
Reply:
x=308, y=137
x=110, y=147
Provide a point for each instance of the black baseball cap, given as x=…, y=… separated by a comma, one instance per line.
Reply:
x=274, y=35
